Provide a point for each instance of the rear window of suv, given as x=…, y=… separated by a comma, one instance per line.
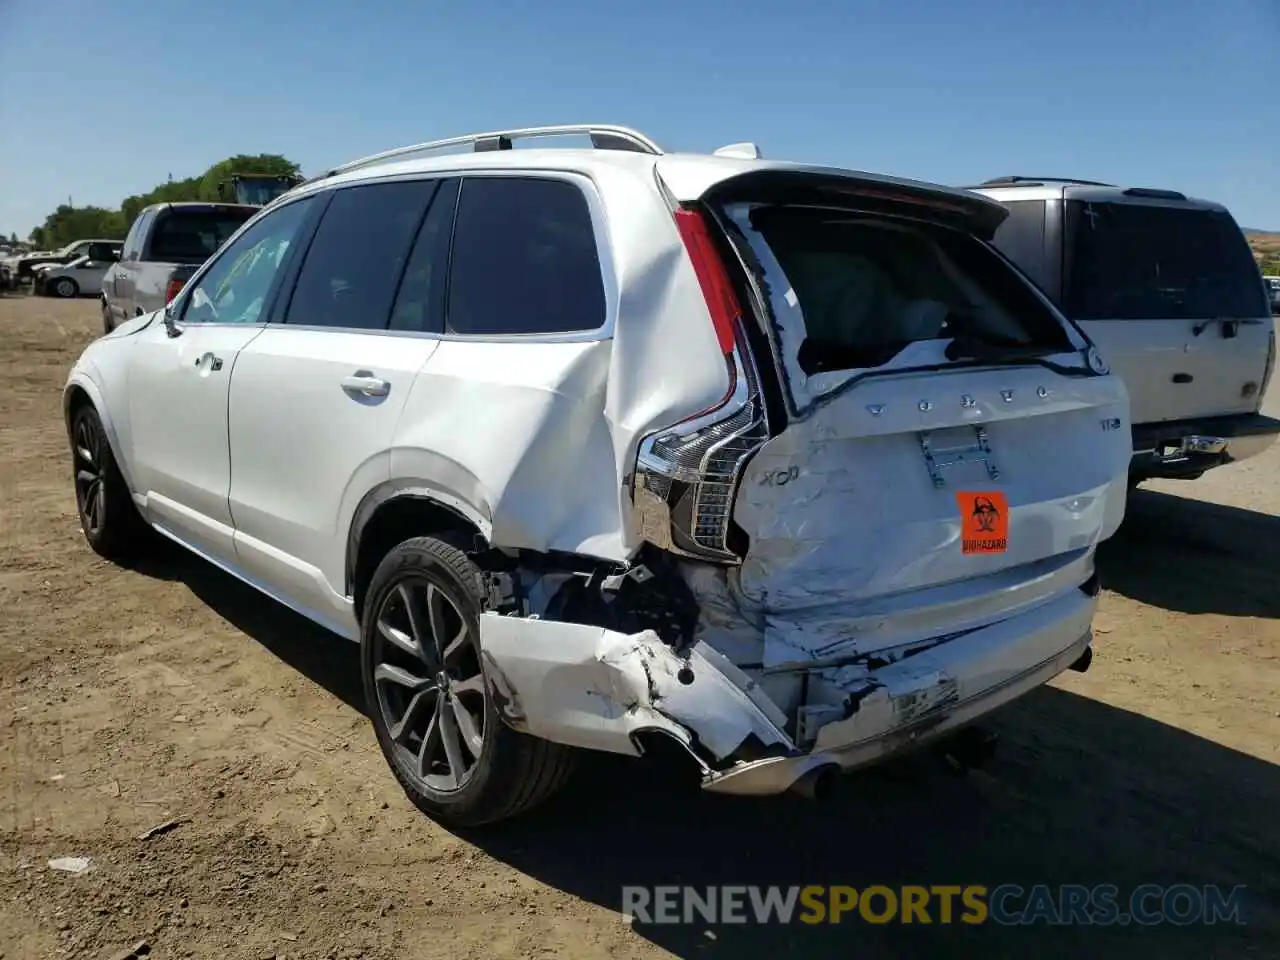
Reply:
x=869, y=287
x=1135, y=261
x=193, y=236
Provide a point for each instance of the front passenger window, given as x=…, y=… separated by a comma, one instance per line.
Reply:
x=235, y=288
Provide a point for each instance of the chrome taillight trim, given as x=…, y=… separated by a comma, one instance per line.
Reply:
x=692, y=459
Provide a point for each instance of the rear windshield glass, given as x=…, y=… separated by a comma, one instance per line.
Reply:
x=1131, y=261
x=867, y=288
x=192, y=236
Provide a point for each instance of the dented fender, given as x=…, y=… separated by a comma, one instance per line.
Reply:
x=586, y=686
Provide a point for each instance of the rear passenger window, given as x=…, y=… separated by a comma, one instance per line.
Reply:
x=524, y=259
x=353, y=265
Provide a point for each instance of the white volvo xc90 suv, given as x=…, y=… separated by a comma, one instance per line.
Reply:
x=587, y=446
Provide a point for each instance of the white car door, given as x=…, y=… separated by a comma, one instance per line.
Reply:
x=316, y=397
x=180, y=377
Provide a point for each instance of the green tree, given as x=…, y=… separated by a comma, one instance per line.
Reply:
x=68, y=223
x=243, y=163
x=174, y=191
x=13, y=238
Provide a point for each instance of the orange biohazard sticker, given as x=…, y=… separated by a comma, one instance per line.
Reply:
x=984, y=521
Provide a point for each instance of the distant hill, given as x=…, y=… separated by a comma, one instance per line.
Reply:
x=1266, y=249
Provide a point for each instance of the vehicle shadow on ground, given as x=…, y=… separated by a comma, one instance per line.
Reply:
x=321, y=656
x=1079, y=793
x=1194, y=557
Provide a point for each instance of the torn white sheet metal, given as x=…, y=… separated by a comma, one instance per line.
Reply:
x=727, y=621
x=856, y=534
x=908, y=703
x=589, y=687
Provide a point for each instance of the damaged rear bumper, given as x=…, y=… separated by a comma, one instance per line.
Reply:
x=590, y=687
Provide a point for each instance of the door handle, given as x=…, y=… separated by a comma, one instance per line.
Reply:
x=215, y=363
x=366, y=384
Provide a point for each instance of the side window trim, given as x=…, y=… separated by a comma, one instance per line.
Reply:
x=436, y=184
x=283, y=296
x=448, y=189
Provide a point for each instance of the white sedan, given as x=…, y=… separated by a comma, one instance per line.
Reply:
x=81, y=277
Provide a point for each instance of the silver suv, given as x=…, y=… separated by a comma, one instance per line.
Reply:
x=587, y=447
x=1168, y=289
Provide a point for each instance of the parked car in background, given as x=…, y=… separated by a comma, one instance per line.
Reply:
x=1273, y=290
x=25, y=265
x=837, y=472
x=1167, y=287
x=165, y=246
x=79, y=278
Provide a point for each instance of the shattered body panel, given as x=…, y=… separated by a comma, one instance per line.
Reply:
x=861, y=548
x=860, y=621
x=596, y=688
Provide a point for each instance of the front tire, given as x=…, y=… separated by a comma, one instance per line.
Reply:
x=426, y=690
x=66, y=288
x=108, y=516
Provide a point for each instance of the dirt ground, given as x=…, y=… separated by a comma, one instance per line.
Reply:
x=129, y=698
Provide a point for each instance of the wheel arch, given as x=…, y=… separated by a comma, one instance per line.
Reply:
x=81, y=391
x=395, y=511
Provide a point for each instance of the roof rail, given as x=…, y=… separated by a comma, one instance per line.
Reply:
x=1039, y=181
x=603, y=136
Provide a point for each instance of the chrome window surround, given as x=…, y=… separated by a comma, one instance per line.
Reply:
x=599, y=224
x=698, y=464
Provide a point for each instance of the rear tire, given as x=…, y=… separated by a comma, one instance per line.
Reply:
x=428, y=696
x=108, y=516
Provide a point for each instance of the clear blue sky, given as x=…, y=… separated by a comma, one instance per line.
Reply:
x=98, y=101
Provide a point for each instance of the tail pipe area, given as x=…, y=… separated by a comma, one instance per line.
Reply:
x=818, y=783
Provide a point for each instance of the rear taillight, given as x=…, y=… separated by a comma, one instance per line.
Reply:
x=174, y=288
x=717, y=289
x=687, y=474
